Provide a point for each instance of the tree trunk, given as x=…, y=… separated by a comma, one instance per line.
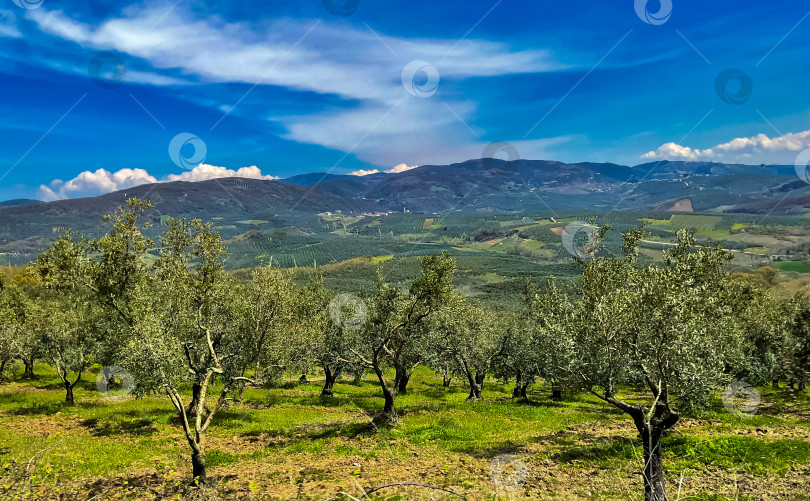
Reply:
x=303, y=379
x=402, y=384
x=523, y=390
x=196, y=388
x=29, y=368
x=446, y=378
x=389, y=413
x=516, y=389
x=556, y=392
x=654, y=482
x=198, y=467
x=2, y=368
x=791, y=383
x=775, y=383
x=801, y=385
x=69, y=393
x=476, y=385
x=329, y=384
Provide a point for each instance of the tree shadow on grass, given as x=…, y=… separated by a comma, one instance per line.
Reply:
x=105, y=428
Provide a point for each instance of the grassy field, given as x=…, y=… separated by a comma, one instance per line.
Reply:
x=289, y=442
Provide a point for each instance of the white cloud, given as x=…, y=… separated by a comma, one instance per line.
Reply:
x=315, y=56
x=754, y=149
x=89, y=184
x=204, y=172
x=362, y=172
x=401, y=168
x=393, y=170
x=95, y=183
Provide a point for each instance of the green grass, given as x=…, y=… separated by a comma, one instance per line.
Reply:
x=292, y=434
x=795, y=266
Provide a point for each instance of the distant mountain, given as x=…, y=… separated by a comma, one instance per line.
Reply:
x=482, y=185
x=19, y=202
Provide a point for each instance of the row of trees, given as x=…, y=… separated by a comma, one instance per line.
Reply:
x=173, y=317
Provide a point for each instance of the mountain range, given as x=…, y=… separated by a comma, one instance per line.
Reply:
x=474, y=186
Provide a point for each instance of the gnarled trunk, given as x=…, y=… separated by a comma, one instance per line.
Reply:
x=447, y=377
x=476, y=385
x=329, y=383
x=69, y=394
x=523, y=390
x=516, y=389
x=28, y=363
x=556, y=392
x=402, y=384
x=303, y=379
x=196, y=388
x=198, y=463
x=389, y=414
x=654, y=481
x=650, y=432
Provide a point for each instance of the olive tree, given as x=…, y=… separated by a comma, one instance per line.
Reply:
x=677, y=328
x=186, y=330
x=334, y=323
x=393, y=320
x=264, y=313
x=109, y=269
x=470, y=338
x=18, y=337
x=69, y=338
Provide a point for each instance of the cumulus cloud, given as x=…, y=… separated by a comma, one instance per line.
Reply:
x=393, y=170
x=363, y=172
x=89, y=184
x=401, y=168
x=204, y=172
x=754, y=149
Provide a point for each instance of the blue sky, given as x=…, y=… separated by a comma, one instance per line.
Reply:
x=290, y=87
